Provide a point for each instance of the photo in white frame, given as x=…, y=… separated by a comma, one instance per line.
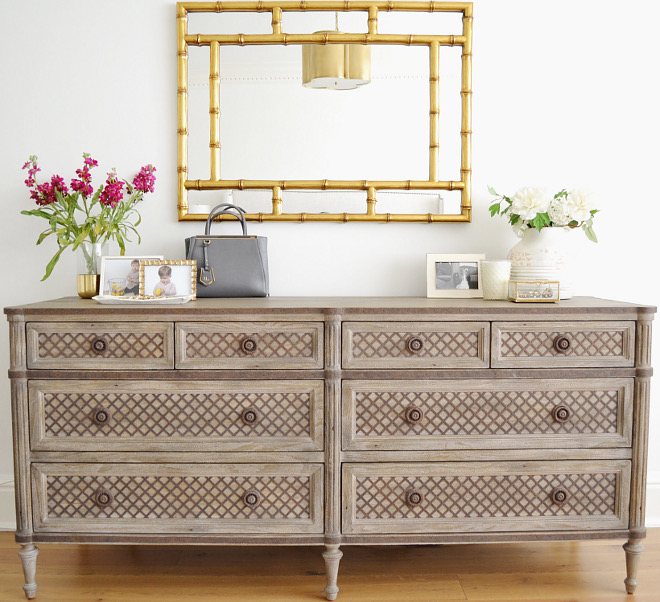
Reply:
x=453, y=275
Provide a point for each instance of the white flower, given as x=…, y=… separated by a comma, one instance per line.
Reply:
x=519, y=228
x=529, y=201
x=580, y=205
x=560, y=211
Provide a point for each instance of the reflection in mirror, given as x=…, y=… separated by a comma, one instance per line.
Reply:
x=395, y=149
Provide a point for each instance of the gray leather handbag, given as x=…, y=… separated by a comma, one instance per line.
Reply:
x=229, y=266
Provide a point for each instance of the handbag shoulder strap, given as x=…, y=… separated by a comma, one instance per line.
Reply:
x=226, y=209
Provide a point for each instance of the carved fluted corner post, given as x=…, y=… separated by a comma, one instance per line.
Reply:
x=332, y=556
x=633, y=549
x=28, y=554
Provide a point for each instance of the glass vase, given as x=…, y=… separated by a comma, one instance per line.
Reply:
x=89, y=268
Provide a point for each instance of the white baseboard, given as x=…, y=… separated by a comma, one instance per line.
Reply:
x=7, y=508
x=8, y=520
x=653, y=499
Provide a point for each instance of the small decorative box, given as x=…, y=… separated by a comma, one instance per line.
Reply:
x=534, y=291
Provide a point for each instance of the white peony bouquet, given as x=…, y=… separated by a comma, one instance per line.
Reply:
x=532, y=207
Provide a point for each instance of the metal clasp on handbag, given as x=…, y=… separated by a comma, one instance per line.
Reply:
x=206, y=275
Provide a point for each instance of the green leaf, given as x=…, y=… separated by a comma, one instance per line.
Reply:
x=52, y=262
x=37, y=213
x=589, y=231
x=494, y=209
x=43, y=236
x=492, y=191
x=540, y=221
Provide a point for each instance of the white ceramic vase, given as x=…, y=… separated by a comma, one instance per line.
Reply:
x=544, y=255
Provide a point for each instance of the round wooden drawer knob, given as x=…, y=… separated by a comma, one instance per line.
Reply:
x=415, y=344
x=101, y=416
x=561, y=413
x=103, y=498
x=562, y=344
x=99, y=345
x=252, y=498
x=414, y=498
x=414, y=415
x=559, y=495
x=248, y=345
x=250, y=417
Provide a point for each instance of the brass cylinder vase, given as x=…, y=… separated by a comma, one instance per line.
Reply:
x=89, y=268
x=88, y=285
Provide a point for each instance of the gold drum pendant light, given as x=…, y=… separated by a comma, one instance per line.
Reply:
x=336, y=66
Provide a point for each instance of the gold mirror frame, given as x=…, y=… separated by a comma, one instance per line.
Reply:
x=184, y=39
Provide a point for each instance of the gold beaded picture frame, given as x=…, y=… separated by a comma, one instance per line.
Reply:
x=168, y=278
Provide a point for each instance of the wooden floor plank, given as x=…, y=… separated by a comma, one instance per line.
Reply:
x=590, y=571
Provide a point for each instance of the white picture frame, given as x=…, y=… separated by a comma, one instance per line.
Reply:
x=454, y=276
x=120, y=267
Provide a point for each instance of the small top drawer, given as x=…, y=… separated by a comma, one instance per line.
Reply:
x=415, y=344
x=249, y=345
x=566, y=344
x=100, y=345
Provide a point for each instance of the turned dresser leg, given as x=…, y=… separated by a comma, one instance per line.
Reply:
x=332, y=556
x=633, y=549
x=28, y=554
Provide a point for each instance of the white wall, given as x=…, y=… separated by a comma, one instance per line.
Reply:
x=565, y=94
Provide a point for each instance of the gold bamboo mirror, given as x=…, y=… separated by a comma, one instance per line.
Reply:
x=387, y=141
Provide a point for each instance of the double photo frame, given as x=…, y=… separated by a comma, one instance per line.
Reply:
x=147, y=277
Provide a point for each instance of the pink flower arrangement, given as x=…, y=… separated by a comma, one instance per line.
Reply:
x=84, y=214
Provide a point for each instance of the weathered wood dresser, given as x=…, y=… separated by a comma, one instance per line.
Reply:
x=330, y=421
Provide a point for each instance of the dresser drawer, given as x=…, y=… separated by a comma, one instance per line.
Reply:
x=103, y=345
x=415, y=344
x=482, y=414
x=249, y=345
x=567, y=344
x=178, y=498
x=72, y=415
x=485, y=496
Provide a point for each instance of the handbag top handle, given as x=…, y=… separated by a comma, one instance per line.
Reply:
x=226, y=209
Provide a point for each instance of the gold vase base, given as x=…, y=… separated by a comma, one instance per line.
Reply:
x=88, y=285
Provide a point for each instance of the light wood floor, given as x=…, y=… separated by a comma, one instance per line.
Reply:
x=567, y=572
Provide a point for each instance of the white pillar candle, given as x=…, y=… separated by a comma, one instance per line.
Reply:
x=495, y=278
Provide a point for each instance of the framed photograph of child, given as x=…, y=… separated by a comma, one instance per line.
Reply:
x=453, y=276
x=168, y=278
x=120, y=276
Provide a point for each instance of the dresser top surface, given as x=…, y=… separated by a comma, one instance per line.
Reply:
x=598, y=308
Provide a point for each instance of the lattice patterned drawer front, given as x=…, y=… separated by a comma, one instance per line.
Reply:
x=415, y=344
x=481, y=414
x=178, y=498
x=102, y=345
x=200, y=416
x=545, y=345
x=226, y=345
x=485, y=496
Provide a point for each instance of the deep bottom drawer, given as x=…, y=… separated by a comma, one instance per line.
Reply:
x=178, y=498
x=485, y=496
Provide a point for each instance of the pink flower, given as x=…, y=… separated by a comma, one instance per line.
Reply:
x=83, y=185
x=44, y=194
x=57, y=182
x=112, y=192
x=145, y=180
x=32, y=168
